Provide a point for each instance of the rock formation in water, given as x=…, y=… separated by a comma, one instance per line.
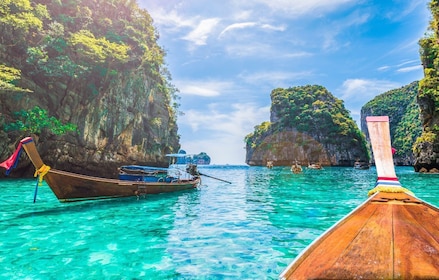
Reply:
x=95, y=65
x=405, y=124
x=307, y=125
x=426, y=150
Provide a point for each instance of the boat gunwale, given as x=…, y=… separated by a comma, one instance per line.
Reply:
x=308, y=250
x=118, y=181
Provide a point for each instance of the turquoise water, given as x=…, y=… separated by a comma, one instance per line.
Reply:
x=250, y=229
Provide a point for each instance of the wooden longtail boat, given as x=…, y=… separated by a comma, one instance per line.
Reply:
x=70, y=187
x=392, y=235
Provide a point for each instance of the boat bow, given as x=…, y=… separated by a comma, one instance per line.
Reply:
x=392, y=235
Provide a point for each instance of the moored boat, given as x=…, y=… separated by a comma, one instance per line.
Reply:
x=296, y=168
x=392, y=235
x=68, y=186
x=315, y=166
x=269, y=164
x=361, y=165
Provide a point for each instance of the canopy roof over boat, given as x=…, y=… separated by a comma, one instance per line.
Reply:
x=142, y=167
x=179, y=155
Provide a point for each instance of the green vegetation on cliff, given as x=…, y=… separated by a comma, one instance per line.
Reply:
x=426, y=149
x=312, y=110
x=77, y=42
x=35, y=120
x=402, y=108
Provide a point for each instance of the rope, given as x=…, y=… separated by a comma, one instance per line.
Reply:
x=388, y=185
x=387, y=189
x=41, y=173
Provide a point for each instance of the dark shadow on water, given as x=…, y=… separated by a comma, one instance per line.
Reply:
x=99, y=204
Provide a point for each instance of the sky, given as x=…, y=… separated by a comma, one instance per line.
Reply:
x=225, y=57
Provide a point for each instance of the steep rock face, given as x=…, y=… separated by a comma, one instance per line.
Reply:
x=308, y=125
x=426, y=150
x=405, y=124
x=130, y=122
x=283, y=148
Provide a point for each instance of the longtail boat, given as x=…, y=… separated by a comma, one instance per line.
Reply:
x=69, y=187
x=392, y=235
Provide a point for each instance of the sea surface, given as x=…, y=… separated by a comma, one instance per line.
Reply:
x=251, y=228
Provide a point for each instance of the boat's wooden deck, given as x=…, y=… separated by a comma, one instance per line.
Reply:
x=391, y=236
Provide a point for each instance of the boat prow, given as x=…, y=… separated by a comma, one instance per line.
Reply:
x=392, y=235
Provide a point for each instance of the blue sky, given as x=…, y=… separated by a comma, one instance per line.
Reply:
x=226, y=57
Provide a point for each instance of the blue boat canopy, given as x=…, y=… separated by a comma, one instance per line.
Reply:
x=143, y=168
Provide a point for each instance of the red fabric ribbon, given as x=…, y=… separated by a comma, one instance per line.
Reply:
x=12, y=160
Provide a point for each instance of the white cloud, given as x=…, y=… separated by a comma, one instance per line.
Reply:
x=274, y=78
x=240, y=15
x=364, y=89
x=416, y=61
x=202, y=88
x=273, y=27
x=357, y=92
x=170, y=19
x=409, y=68
x=248, y=50
x=241, y=25
x=202, y=31
x=264, y=50
x=403, y=67
x=245, y=25
x=383, y=68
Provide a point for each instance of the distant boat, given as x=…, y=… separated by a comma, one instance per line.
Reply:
x=296, y=168
x=361, y=165
x=269, y=164
x=392, y=235
x=69, y=186
x=315, y=166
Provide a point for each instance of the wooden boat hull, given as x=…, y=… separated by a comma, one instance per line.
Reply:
x=390, y=236
x=69, y=186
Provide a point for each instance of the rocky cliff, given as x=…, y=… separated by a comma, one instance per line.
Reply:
x=98, y=68
x=307, y=125
x=128, y=123
x=426, y=150
x=405, y=124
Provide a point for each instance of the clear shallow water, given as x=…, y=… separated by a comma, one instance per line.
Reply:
x=250, y=229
